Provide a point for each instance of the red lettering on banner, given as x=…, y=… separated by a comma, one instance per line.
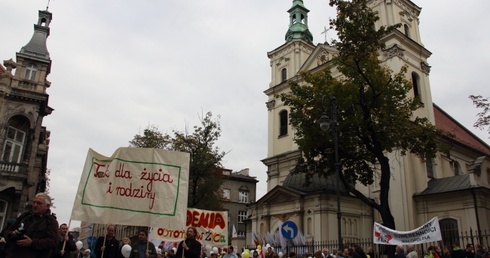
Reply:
x=205, y=219
x=177, y=234
x=120, y=172
x=99, y=170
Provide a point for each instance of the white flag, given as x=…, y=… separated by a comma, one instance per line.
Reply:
x=235, y=234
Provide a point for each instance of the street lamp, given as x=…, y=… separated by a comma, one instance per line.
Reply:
x=325, y=124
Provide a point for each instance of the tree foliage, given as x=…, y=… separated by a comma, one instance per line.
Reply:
x=374, y=111
x=205, y=176
x=484, y=116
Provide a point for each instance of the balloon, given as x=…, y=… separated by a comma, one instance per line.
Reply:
x=126, y=250
x=245, y=255
x=267, y=245
x=208, y=248
x=280, y=254
x=215, y=250
x=259, y=247
x=175, y=250
x=79, y=245
x=247, y=251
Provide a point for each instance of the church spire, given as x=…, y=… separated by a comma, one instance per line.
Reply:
x=36, y=48
x=298, y=23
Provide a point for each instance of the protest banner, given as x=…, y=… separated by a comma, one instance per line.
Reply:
x=135, y=186
x=429, y=232
x=212, y=228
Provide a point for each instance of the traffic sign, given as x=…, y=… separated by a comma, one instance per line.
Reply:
x=289, y=230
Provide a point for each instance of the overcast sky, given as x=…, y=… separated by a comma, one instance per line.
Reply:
x=119, y=66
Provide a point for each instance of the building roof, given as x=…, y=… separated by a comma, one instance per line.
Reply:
x=316, y=183
x=461, y=135
x=448, y=184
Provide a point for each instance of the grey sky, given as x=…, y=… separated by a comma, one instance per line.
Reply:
x=119, y=66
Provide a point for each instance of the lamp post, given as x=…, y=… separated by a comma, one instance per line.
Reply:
x=325, y=124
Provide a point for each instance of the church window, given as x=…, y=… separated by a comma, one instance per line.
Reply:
x=284, y=74
x=449, y=231
x=3, y=213
x=406, y=30
x=309, y=226
x=283, y=123
x=455, y=167
x=416, y=85
x=31, y=71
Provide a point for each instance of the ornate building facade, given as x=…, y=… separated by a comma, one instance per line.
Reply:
x=23, y=138
x=455, y=186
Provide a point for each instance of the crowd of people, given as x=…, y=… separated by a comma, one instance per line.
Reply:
x=36, y=234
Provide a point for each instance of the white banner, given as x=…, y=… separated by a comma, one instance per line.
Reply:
x=135, y=186
x=212, y=228
x=429, y=232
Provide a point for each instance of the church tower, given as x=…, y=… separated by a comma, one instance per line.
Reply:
x=452, y=186
x=23, y=138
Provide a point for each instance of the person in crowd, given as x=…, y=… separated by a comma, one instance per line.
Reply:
x=190, y=247
x=143, y=248
x=269, y=252
x=326, y=253
x=358, y=252
x=340, y=254
x=34, y=233
x=469, y=251
x=230, y=253
x=346, y=253
x=432, y=252
x=291, y=254
x=457, y=252
x=108, y=245
x=65, y=243
x=86, y=253
x=446, y=253
x=213, y=254
x=124, y=241
x=318, y=254
x=411, y=253
x=439, y=250
x=171, y=253
x=370, y=252
x=399, y=253
x=479, y=251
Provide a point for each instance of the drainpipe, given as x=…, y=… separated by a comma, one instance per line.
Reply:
x=476, y=215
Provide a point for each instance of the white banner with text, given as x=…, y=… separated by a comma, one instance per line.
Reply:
x=429, y=232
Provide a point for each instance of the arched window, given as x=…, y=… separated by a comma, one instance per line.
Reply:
x=455, y=167
x=283, y=122
x=406, y=30
x=31, y=71
x=449, y=232
x=284, y=74
x=416, y=85
x=309, y=226
x=15, y=139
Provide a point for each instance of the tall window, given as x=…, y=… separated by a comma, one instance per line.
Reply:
x=283, y=122
x=15, y=140
x=416, y=85
x=406, y=30
x=31, y=71
x=242, y=216
x=449, y=232
x=3, y=213
x=456, y=167
x=284, y=74
x=14, y=144
x=243, y=197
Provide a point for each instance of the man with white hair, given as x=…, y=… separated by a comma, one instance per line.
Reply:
x=34, y=233
x=411, y=253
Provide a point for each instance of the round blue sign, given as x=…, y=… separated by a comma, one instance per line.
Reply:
x=289, y=230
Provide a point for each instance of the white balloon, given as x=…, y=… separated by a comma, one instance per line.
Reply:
x=215, y=250
x=280, y=254
x=79, y=245
x=175, y=250
x=126, y=250
x=208, y=248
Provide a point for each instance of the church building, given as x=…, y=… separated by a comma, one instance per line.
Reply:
x=454, y=186
x=24, y=140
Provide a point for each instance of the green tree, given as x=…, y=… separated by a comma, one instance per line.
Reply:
x=375, y=114
x=484, y=116
x=205, y=176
